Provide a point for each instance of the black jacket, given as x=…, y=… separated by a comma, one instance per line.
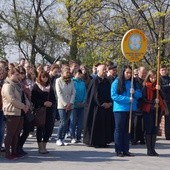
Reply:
x=165, y=87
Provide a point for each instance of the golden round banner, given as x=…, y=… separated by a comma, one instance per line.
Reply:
x=134, y=45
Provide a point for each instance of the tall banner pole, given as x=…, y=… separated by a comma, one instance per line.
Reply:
x=133, y=46
x=131, y=95
x=157, y=83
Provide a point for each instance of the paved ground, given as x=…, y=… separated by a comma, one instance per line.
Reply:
x=81, y=157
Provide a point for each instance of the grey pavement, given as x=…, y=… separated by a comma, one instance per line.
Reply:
x=81, y=157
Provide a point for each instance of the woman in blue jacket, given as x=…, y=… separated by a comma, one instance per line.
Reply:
x=121, y=95
x=76, y=117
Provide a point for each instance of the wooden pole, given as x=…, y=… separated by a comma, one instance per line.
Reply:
x=131, y=95
x=157, y=83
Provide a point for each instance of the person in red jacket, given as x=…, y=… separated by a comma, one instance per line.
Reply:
x=149, y=111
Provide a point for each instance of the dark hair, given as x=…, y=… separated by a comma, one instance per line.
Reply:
x=112, y=67
x=121, y=80
x=75, y=71
x=39, y=78
x=12, y=65
x=54, y=66
x=21, y=69
x=109, y=63
x=30, y=73
x=22, y=59
x=163, y=66
x=96, y=65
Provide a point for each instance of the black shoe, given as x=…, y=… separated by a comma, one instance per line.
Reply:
x=101, y=146
x=2, y=149
x=134, y=143
x=155, y=153
x=167, y=138
x=142, y=142
x=128, y=154
x=119, y=154
x=150, y=153
x=22, y=152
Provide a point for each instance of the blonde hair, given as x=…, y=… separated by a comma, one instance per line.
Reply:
x=150, y=73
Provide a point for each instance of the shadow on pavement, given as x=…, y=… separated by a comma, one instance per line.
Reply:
x=68, y=156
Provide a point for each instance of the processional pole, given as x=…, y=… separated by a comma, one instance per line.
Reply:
x=133, y=46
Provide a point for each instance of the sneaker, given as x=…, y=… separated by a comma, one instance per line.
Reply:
x=59, y=142
x=31, y=135
x=65, y=143
x=67, y=135
x=73, y=141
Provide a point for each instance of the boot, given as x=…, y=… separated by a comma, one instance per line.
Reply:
x=148, y=144
x=41, y=148
x=153, y=146
x=44, y=145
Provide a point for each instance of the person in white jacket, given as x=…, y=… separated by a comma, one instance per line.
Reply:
x=65, y=99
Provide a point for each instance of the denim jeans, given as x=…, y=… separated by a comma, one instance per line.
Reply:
x=76, y=121
x=1, y=128
x=55, y=112
x=121, y=135
x=64, y=118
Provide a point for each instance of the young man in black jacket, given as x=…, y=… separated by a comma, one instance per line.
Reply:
x=165, y=86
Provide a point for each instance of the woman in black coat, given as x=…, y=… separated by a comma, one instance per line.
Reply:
x=43, y=96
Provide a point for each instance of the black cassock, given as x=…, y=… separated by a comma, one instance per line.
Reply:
x=98, y=121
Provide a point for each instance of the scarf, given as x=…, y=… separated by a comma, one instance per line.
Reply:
x=150, y=94
x=43, y=88
x=67, y=80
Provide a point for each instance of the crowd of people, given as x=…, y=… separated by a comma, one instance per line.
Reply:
x=93, y=107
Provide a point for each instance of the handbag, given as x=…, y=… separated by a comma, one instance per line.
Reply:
x=39, y=116
x=29, y=116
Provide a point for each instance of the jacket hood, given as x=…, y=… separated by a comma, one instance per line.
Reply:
x=13, y=84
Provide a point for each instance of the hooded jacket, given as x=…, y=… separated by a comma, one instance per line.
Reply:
x=80, y=89
x=12, y=98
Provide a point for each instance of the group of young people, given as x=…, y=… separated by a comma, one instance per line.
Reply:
x=98, y=104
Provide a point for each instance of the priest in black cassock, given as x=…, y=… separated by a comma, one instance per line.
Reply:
x=98, y=118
